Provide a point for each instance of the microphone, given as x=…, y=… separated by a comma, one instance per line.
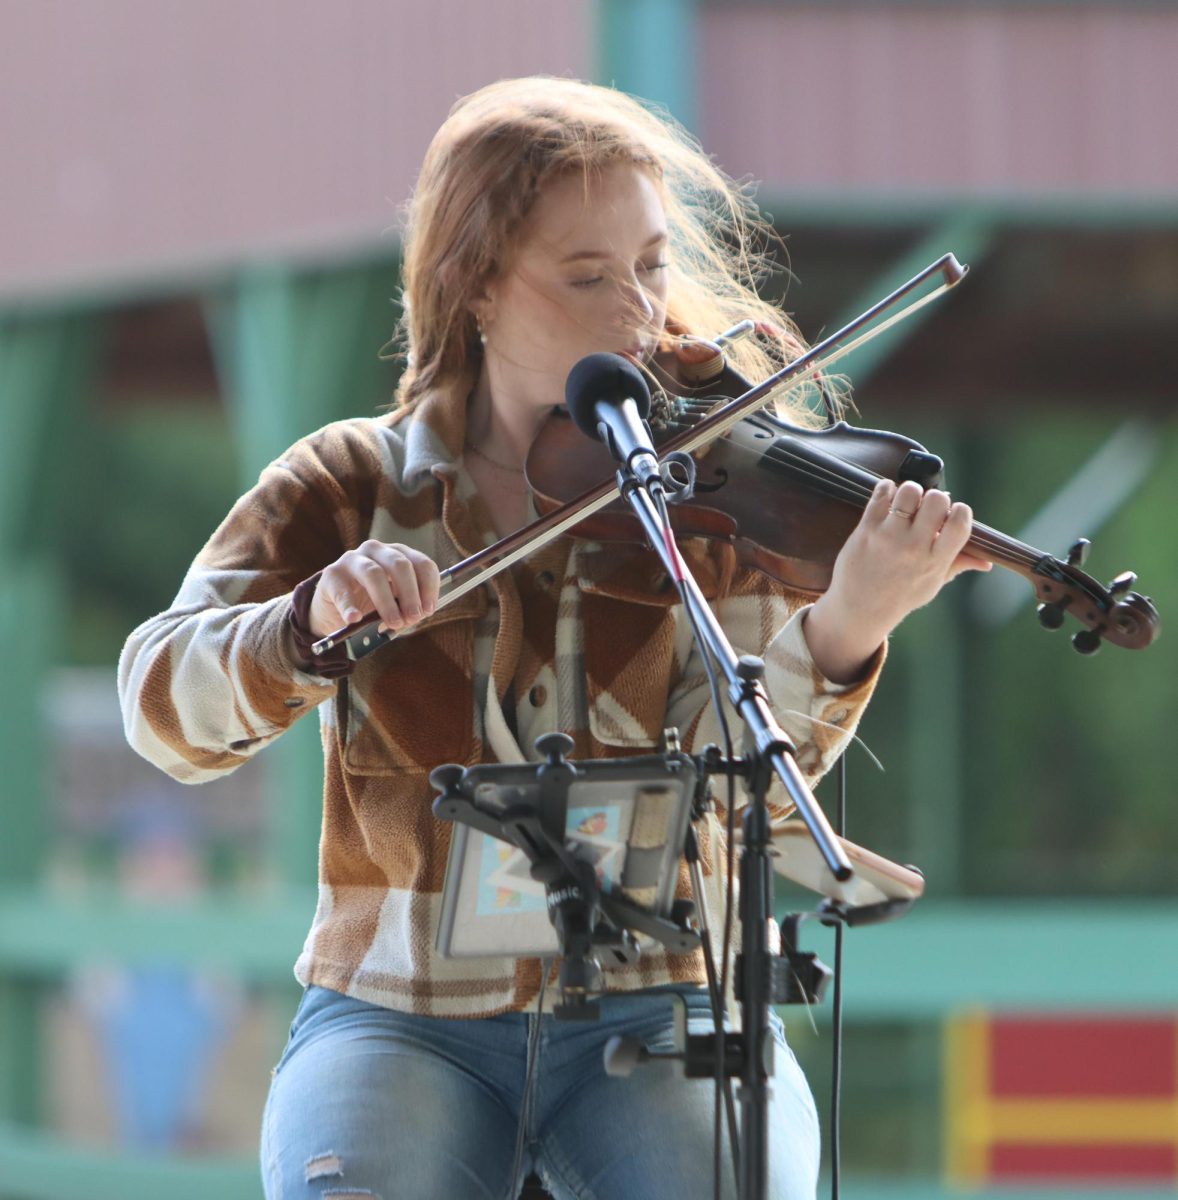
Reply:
x=608, y=398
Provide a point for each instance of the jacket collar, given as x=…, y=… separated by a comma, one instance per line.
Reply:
x=435, y=433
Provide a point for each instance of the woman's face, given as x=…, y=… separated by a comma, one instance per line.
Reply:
x=590, y=275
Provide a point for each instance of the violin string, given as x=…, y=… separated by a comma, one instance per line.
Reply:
x=828, y=481
x=1002, y=547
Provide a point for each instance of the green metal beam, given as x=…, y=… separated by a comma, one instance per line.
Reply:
x=946, y=956
x=36, y=1166
x=862, y=208
x=46, y=367
x=40, y=1166
x=649, y=49
x=47, y=937
x=929, y=645
x=45, y=371
x=966, y=236
x=296, y=351
x=943, y=956
x=872, y=208
x=875, y=6
x=931, y=652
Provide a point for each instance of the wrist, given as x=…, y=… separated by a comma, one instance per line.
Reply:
x=841, y=643
x=299, y=637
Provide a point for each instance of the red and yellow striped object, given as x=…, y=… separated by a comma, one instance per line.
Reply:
x=1061, y=1099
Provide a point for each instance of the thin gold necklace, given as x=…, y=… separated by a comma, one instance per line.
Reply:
x=488, y=459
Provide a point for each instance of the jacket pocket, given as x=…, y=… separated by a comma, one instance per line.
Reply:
x=410, y=706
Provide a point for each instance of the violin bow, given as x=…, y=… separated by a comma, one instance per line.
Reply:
x=362, y=637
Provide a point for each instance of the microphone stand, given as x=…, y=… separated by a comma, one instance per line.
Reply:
x=760, y=977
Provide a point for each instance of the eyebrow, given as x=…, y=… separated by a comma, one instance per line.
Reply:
x=584, y=254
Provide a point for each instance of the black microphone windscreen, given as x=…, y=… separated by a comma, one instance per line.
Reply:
x=607, y=377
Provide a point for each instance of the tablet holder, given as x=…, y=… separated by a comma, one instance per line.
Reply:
x=527, y=804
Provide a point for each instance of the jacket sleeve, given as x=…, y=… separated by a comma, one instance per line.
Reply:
x=818, y=715
x=208, y=683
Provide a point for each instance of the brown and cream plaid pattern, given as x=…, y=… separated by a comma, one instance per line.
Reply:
x=584, y=638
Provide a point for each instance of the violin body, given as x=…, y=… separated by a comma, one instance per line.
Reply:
x=787, y=498
x=750, y=491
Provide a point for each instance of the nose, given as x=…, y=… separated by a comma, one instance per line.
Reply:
x=636, y=300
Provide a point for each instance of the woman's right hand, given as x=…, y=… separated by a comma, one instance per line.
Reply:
x=396, y=582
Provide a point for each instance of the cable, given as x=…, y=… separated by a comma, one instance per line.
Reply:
x=716, y=996
x=836, y=1042
x=530, y=1073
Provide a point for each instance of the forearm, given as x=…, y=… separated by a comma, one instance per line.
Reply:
x=817, y=711
x=843, y=647
x=203, y=691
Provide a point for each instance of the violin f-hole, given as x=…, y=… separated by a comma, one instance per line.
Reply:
x=721, y=476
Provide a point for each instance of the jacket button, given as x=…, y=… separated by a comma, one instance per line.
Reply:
x=545, y=579
x=294, y=702
x=538, y=695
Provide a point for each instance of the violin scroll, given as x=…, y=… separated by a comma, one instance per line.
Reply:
x=1113, y=613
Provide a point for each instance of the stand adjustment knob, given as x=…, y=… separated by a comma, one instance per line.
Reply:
x=749, y=667
x=446, y=779
x=554, y=746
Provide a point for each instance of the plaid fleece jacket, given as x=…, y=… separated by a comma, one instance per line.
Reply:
x=584, y=638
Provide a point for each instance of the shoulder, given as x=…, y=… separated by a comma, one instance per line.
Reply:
x=366, y=457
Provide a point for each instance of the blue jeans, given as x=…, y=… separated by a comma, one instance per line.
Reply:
x=368, y=1102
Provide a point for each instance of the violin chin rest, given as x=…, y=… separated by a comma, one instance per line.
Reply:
x=922, y=467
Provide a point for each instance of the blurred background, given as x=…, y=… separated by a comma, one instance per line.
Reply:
x=199, y=264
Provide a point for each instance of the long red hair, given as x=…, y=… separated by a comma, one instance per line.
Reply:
x=480, y=178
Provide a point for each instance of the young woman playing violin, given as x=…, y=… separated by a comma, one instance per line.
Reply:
x=552, y=219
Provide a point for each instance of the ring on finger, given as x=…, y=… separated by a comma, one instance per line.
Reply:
x=901, y=512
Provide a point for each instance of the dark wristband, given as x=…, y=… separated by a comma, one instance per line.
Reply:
x=335, y=663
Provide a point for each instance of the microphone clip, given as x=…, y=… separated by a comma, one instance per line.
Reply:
x=677, y=471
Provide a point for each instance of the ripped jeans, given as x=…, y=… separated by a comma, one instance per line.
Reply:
x=368, y=1102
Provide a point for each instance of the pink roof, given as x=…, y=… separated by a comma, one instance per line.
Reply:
x=152, y=140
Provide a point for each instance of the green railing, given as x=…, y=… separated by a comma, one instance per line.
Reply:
x=943, y=958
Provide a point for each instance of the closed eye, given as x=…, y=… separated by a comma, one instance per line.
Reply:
x=649, y=268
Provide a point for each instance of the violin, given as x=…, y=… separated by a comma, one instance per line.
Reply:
x=784, y=497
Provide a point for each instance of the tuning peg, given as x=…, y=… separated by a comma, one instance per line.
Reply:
x=1078, y=554
x=1050, y=616
x=1122, y=583
x=1087, y=641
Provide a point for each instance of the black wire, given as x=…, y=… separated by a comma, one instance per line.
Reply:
x=723, y=1090
x=836, y=1043
x=530, y=1072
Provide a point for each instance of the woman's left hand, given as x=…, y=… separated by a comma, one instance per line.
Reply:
x=908, y=544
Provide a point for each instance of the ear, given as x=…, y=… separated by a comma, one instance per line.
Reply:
x=482, y=301
x=483, y=305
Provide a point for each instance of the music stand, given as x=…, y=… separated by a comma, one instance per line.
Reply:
x=577, y=858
